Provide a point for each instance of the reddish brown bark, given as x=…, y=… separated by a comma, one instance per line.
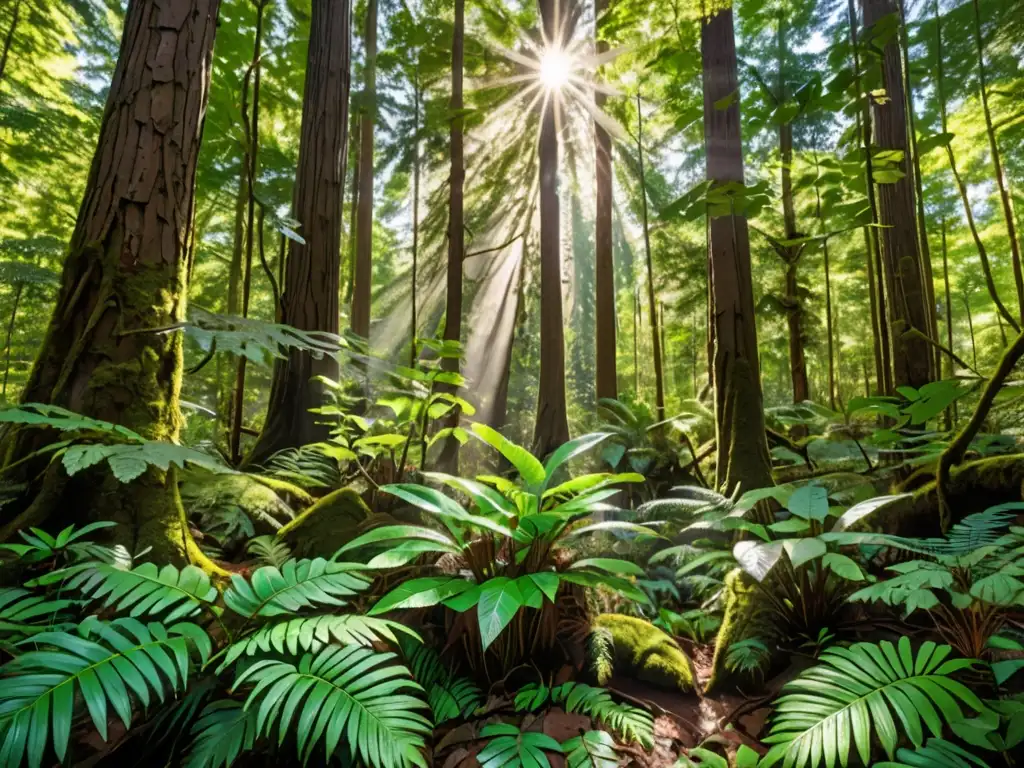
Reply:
x=907, y=303
x=126, y=273
x=362, y=287
x=604, y=263
x=742, y=449
x=552, y=425
x=310, y=300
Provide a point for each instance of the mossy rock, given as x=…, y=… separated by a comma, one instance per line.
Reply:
x=646, y=653
x=326, y=526
x=741, y=620
x=203, y=492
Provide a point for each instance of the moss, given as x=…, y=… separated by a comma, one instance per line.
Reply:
x=205, y=491
x=645, y=652
x=742, y=620
x=327, y=525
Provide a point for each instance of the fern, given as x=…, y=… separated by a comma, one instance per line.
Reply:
x=632, y=723
x=224, y=730
x=306, y=466
x=297, y=585
x=39, y=545
x=342, y=689
x=748, y=657
x=106, y=663
x=511, y=748
x=314, y=633
x=142, y=591
x=593, y=749
x=601, y=654
x=269, y=550
x=22, y=613
x=937, y=753
x=449, y=695
x=856, y=691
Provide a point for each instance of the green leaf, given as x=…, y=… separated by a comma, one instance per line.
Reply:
x=531, y=470
x=843, y=567
x=421, y=593
x=809, y=502
x=611, y=565
x=592, y=749
x=802, y=551
x=570, y=450
x=500, y=600
x=298, y=585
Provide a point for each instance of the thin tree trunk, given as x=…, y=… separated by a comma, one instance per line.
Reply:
x=636, y=343
x=997, y=163
x=970, y=328
x=743, y=458
x=883, y=367
x=664, y=348
x=9, y=37
x=604, y=262
x=126, y=273
x=951, y=411
x=652, y=304
x=986, y=267
x=456, y=224
x=355, y=162
x=313, y=269
x=927, y=279
x=413, y=323
x=828, y=289
x=362, y=291
x=693, y=357
x=10, y=330
x=251, y=166
x=552, y=425
x=907, y=304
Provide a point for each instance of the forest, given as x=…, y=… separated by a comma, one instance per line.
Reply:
x=512, y=383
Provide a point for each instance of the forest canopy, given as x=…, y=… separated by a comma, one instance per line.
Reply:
x=512, y=383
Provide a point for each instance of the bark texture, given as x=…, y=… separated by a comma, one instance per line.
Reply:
x=362, y=273
x=552, y=425
x=604, y=262
x=742, y=449
x=312, y=273
x=125, y=273
x=907, y=302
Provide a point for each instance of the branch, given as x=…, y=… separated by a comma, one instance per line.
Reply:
x=915, y=333
x=501, y=247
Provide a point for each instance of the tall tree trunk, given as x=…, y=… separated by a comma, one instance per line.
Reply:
x=355, y=161
x=791, y=256
x=997, y=163
x=927, y=279
x=652, y=302
x=951, y=411
x=902, y=262
x=252, y=133
x=313, y=268
x=9, y=37
x=636, y=343
x=604, y=262
x=18, y=289
x=873, y=246
x=552, y=425
x=125, y=273
x=456, y=224
x=362, y=290
x=413, y=320
x=828, y=289
x=743, y=458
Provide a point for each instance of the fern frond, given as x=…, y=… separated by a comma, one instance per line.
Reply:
x=223, y=731
x=449, y=695
x=510, y=747
x=142, y=591
x=347, y=690
x=593, y=749
x=856, y=692
x=937, y=753
x=270, y=550
x=296, y=585
x=601, y=654
x=107, y=663
x=314, y=633
x=22, y=613
x=632, y=723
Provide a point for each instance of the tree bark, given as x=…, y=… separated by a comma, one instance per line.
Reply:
x=413, y=321
x=353, y=227
x=743, y=458
x=902, y=260
x=552, y=425
x=951, y=411
x=997, y=163
x=18, y=289
x=828, y=289
x=362, y=290
x=652, y=302
x=604, y=261
x=9, y=37
x=125, y=273
x=313, y=268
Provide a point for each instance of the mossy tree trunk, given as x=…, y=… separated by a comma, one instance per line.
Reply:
x=742, y=449
x=552, y=426
x=312, y=274
x=126, y=272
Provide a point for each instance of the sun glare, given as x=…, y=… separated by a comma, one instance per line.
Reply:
x=555, y=67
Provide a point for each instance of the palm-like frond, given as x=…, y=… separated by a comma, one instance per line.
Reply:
x=298, y=584
x=593, y=749
x=312, y=634
x=143, y=591
x=350, y=691
x=448, y=694
x=856, y=692
x=270, y=550
x=223, y=731
x=937, y=753
x=511, y=748
x=632, y=723
x=22, y=613
x=106, y=663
